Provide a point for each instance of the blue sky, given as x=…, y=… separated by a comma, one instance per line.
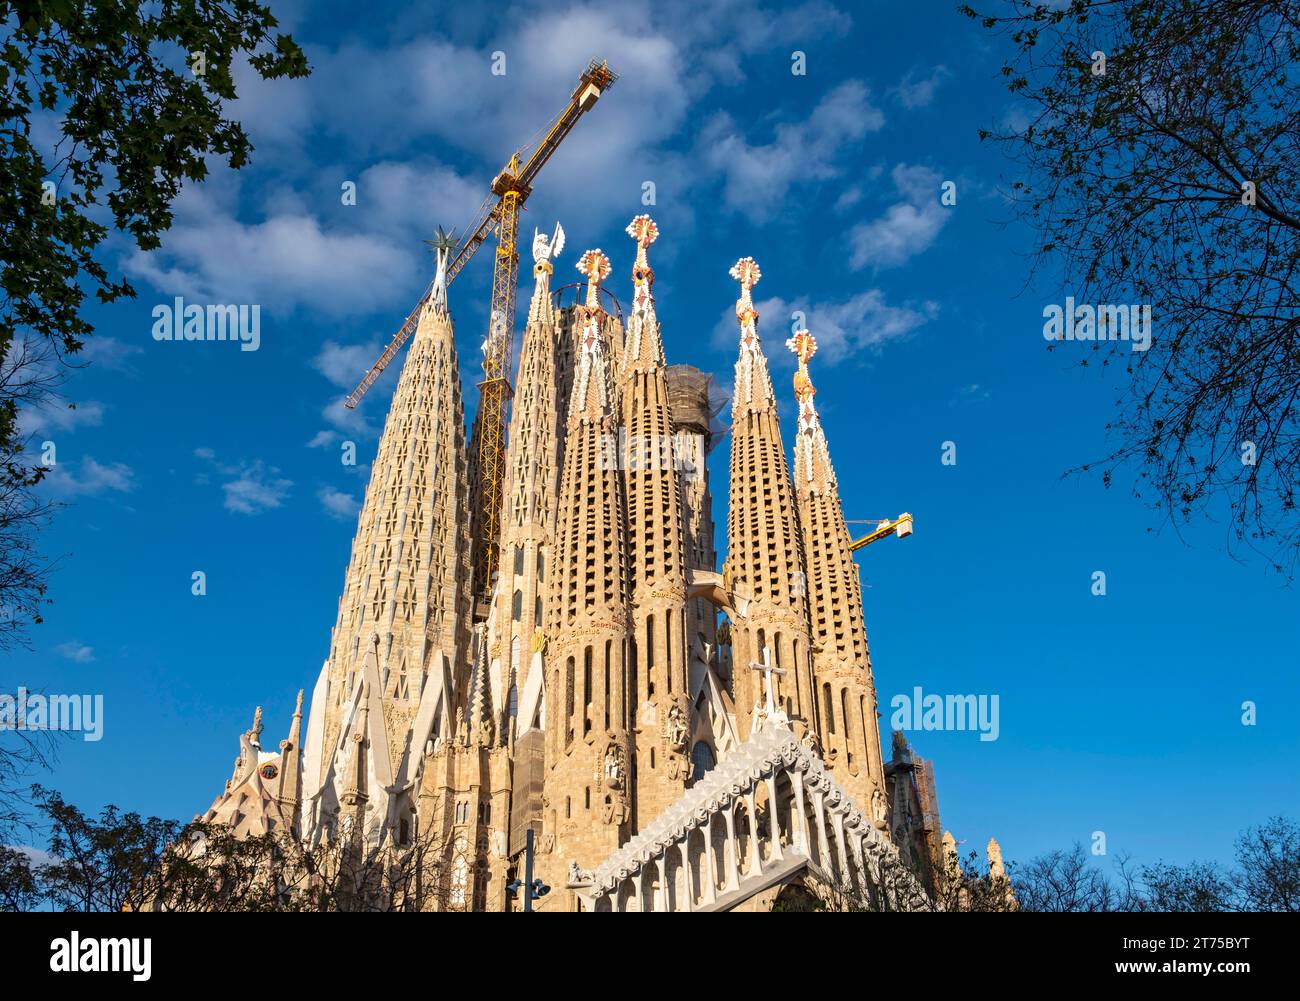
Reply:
x=1119, y=713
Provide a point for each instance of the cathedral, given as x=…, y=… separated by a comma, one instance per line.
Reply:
x=613, y=714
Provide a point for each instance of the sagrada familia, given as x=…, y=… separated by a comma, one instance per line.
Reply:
x=674, y=735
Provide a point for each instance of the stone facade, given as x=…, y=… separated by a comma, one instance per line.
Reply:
x=662, y=758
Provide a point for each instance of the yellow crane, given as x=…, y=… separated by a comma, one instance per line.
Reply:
x=900, y=526
x=500, y=214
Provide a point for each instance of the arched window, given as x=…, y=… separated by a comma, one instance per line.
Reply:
x=519, y=560
x=830, y=708
x=459, y=874
x=701, y=760
x=517, y=606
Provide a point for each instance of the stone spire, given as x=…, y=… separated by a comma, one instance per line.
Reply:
x=753, y=389
x=404, y=615
x=588, y=756
x=993, y=851
x=288, y=790
x=643, y=349
x=841, y=663
x=658, y=673
x=764, y=550
x=528, y=511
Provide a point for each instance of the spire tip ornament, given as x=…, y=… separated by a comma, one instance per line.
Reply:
x=595, y=265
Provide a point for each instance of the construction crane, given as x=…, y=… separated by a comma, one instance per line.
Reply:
x=900, y=526
x=500, y=214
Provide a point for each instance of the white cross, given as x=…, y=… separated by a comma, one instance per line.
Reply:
x=768, y=670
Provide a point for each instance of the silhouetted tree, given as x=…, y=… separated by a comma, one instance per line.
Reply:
x=1160, y=142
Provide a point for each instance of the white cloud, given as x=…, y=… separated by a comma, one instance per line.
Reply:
x=55, y=415
x=323, y=439
x=281, y=263
x=249, y=487
x=345, y=364
x=915, y=91
x=108, y=353
x=757, y=178
x=972, y=393
x=338, y=504
x=77, y=652
x=257, y=488
x=93, y=478
x=842, y=329
x=907, y=227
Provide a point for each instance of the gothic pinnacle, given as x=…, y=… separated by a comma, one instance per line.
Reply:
x=812, y=461
x=753, y=390
x=591, y=401
x=644, y=349
x=545, y=249
x=595, y=266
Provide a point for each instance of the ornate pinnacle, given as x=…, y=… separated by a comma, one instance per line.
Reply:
x=804, y=346
x=442, y=243
x=595, y=265
x=643, y=230
x=747, y=273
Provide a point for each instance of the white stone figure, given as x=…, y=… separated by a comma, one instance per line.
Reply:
x=544, y=249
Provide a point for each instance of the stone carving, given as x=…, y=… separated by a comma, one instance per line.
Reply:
x=578, y=876
x=878, y=808
x=544, y=249
x=612, y=766
x=677, y=729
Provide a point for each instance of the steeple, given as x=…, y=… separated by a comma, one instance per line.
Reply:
x=592, y=398
x=588, y=756
x=764, y=549
x=528, y=510
x=540, y=309
x=753, y=390
x=402, y=633
x=658, y=671
x=841, y=662
x=643, y=347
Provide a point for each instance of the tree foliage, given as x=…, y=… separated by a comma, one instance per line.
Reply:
x=120, y=861
x=1160, y=147
x=106, y=110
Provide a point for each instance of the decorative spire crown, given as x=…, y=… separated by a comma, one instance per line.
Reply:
x=442, y=243
x=746, y=271
x=804, y=346
x=595, y=265
x=753, y=383
x=643, y=230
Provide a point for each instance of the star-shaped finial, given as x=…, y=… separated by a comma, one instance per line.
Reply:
x=444, y=241
x=643, y=230
x=595, y=265
x=804, y=346
x=746, y=272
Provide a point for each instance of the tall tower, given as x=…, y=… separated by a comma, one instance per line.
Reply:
x=841, y=662
x=527, y=543
x=657, y=676
x=588, y=755
x=764, y=550
x=399, y=651
x=693, y=439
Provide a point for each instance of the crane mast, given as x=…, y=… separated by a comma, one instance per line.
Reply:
x=513, y=186
x=499, y=214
